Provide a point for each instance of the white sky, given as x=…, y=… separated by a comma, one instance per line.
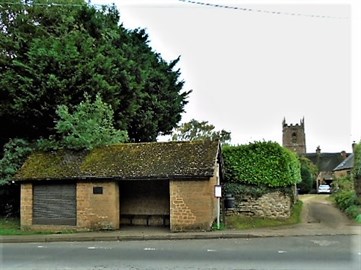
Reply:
x=250, y=69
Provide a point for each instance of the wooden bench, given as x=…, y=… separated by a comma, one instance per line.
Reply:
x=147, y=217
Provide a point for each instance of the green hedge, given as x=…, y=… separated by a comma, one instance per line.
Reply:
x=261, y=163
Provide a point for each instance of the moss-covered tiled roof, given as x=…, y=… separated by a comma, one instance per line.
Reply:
x=125, y=161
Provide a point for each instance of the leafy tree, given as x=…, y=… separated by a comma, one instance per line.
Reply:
x=15, y=153
x=356, y=171
x=51, y=55
x=308, y=175
x=89, y=126
x=195, y=130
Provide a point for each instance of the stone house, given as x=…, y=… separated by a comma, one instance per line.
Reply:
x=156, y=184
x=326, y=163
x=345, y=167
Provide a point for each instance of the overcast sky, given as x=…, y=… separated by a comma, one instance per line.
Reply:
x=250, y=69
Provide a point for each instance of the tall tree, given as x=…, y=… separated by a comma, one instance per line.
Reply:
x=199, y=130
x=356, y=172
x=309, y=173
x=51, y=55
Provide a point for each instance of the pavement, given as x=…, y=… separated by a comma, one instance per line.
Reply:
x=159, y=233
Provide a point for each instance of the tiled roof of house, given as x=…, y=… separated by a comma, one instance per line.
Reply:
x=325, y=161
x=346, y=164
x=157, y=160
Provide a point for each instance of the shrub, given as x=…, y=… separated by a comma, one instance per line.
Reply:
x=261, y=163
x=345, y=198
x=353, y=211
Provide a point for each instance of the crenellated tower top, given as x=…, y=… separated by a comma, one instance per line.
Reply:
x=293, y=136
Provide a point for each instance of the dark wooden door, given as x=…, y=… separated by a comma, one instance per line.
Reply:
x=54, y=204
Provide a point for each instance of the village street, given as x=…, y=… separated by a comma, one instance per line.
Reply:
x=326, y=239
x=274, y=253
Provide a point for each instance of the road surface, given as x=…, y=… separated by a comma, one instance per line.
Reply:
x=274, y=253
x=320, y=211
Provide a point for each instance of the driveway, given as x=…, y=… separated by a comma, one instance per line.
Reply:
x=321, y=215
x=319, y=210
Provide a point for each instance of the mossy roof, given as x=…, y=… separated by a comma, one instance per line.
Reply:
x=157, y=160
x=325, y=162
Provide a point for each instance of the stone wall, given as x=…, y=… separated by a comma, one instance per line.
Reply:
x=98, y=211
x=272, y=205
x=193, y=205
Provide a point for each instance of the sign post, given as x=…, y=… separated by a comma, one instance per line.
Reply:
x=218, y=195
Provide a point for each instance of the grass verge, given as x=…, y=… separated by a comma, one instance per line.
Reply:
x=242, y=223
x=11, y=226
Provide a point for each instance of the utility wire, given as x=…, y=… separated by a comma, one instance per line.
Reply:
x=260, y=10
x=197, y=3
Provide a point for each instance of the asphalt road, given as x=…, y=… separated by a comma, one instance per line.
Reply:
x=275, y=253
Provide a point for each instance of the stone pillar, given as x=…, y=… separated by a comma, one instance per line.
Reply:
x=26, y=205
x=192, y=205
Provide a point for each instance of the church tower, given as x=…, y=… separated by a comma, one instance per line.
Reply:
x=294, y=137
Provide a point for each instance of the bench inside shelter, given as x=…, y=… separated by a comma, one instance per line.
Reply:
x=148, y=218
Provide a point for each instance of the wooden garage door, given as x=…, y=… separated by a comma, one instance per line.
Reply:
x=54, y=204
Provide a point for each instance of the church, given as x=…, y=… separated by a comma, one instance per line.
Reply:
x=328, y=164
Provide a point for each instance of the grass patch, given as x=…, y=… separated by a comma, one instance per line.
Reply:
x=242, y=223
x=222, y=226
x=11, y=226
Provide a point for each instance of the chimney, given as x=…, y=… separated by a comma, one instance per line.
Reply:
x=318, y=150
x=353, y=147
x=344, y=154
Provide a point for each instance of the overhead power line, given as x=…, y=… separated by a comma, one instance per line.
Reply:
x=260, y=10
x=255, y=10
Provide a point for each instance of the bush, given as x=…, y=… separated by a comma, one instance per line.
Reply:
x=261, y=163
x=345, y=199
x=353, y=211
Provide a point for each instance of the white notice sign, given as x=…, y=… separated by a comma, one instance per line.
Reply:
x=218, y=191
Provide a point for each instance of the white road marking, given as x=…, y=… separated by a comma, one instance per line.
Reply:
x=99, y=248
x=41, y=247
x=324, y=243
x=211, y=250
x=149, y=249
x=282, y=251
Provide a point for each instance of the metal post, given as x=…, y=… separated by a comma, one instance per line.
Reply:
x=218, y=211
